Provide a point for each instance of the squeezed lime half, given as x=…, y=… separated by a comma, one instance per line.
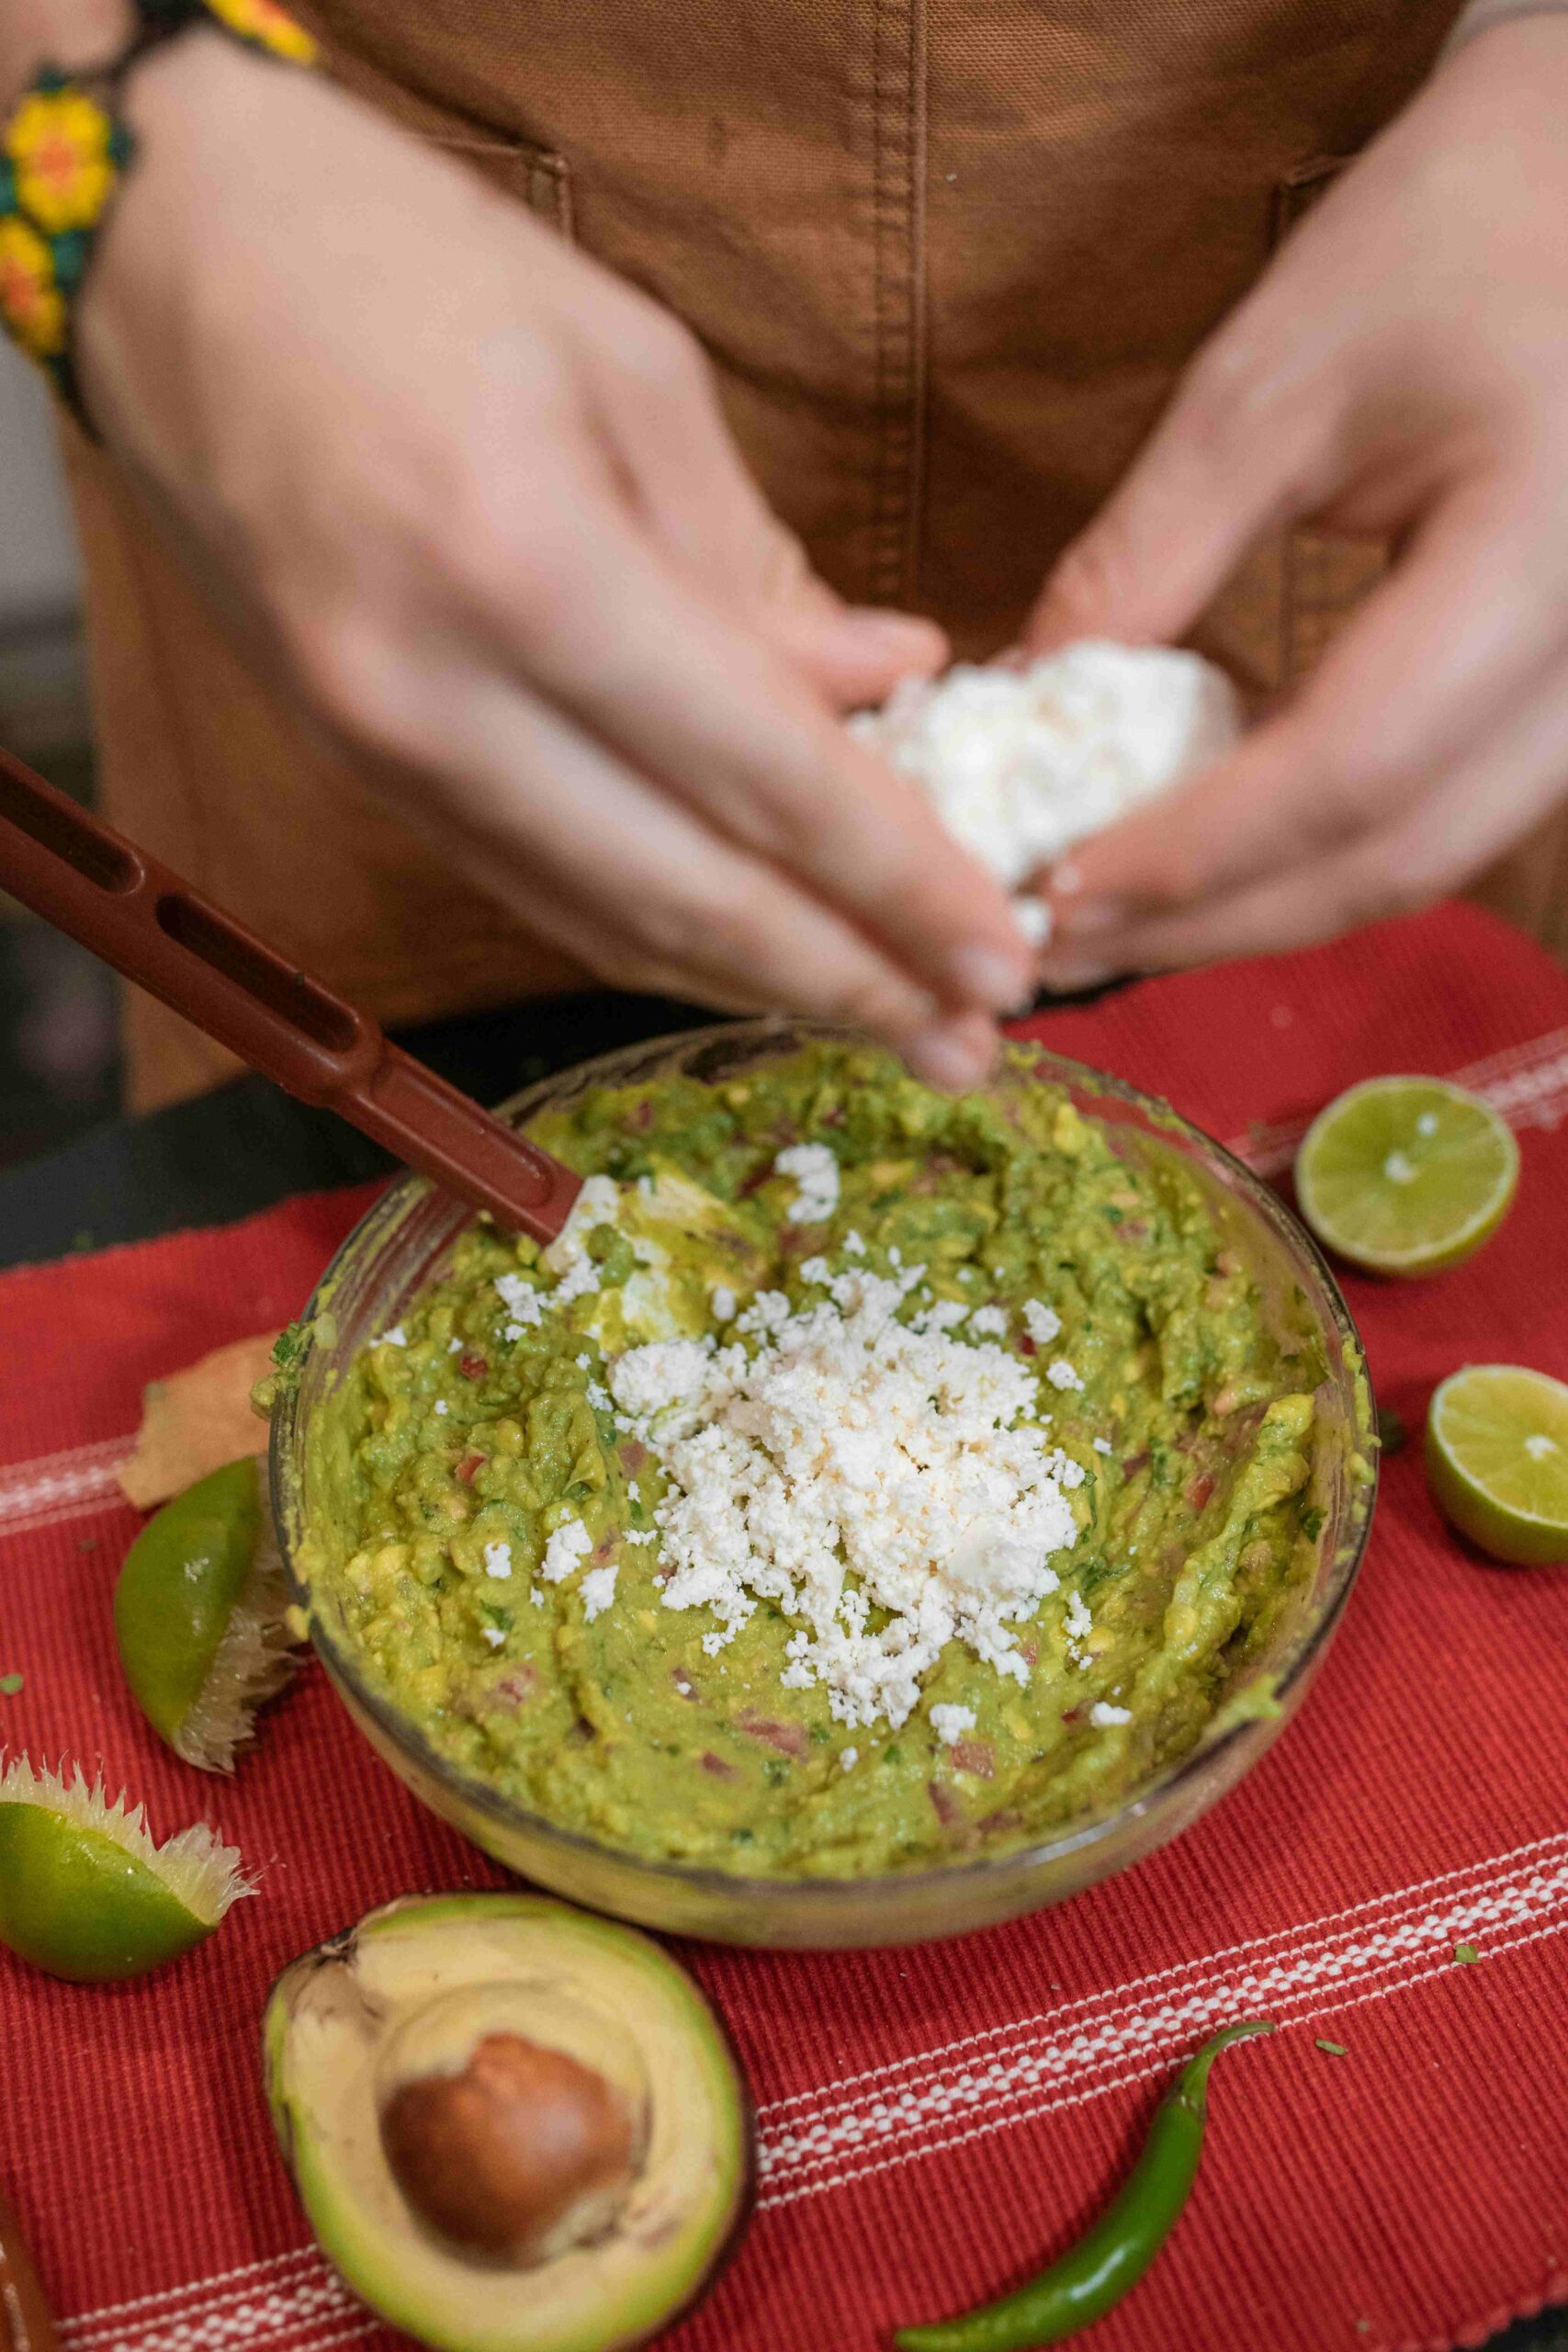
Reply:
x=85, y=1894
x=200, y=1615
x=1407, y=1176
x=1497, y=1461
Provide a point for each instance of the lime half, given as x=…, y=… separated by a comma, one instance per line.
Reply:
x=1497, y=1461
x=1406, y=1175
x=85, y=1894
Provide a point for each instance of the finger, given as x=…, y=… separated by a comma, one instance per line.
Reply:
x=682, y=473
x=1226, y=462
x=854, y=654
x=1472, y=814
x=635, y=885
x=684, y=693
x=1437, y=656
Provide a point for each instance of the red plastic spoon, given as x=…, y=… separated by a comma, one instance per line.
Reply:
x=24, y=2321
x=148, y=922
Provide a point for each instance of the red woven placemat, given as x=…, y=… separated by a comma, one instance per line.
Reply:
x=931, y=2120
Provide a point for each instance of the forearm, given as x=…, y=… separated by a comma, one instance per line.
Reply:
x=64, y=32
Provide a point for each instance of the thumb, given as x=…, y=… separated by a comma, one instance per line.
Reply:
x=853, y=654
x=1216, y=472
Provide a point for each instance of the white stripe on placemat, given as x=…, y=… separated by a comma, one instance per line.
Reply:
x=160, y=2301
x=312, y=2305
x=819, y=2140
x=1044, y=2062
x=1527, y=1084
x=61, y=1486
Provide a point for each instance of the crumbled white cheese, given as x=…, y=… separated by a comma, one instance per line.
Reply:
x=849, y=1757
x=571, y=1543
x=1034, y=918
x=1103, y=1714
x=797, y=1675
x=580, y=1277
x=942, y=1315
x=816, y=1171
x=1079, y=1624
x=1041, y=1322
x=494, y=1636
x=1061, y=1374
x=599, y=1202
x=652, y=1380
x=851, y=1463
x=991, y=1322
x=816, y=1269
x=598, y=1589
x=441, y=1405
x=521, y=1300
x=721, y=1298
x=394, y=1338
x=1021, y=763
x=497, y=1559
x=1100, y=1444
x=1064, y=1469
x=769, y=1311
x=642, y=1535
x=853, y=1246
x=453, y=1346
x=950, y=1724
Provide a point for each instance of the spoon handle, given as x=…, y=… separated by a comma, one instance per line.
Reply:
x=24, y=2321
x=146, y=920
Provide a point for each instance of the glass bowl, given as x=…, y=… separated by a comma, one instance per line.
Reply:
x=399, y=1248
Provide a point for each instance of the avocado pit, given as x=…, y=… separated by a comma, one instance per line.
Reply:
x=510, y=2146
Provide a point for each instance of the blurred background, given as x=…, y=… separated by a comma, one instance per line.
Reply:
x=59, y=1063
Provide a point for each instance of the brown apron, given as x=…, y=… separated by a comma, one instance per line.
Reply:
x=947, y=256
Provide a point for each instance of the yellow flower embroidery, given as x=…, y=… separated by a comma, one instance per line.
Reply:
x=58, y=145
x=269, y=26
x=31, y=302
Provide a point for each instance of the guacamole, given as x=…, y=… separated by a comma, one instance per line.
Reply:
x=866, y=1479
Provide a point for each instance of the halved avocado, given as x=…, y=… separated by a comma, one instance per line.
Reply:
x=515, y=2127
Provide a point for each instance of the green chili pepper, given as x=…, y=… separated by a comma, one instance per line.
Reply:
x=1115, y=2255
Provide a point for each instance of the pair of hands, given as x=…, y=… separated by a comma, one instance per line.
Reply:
x=472, y=502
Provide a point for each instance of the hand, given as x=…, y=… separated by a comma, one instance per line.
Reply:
x=1401, y=369
x=471, y=501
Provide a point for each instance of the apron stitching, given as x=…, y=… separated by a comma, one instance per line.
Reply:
x=915, y=476
x=895, y=227
x=879, y=304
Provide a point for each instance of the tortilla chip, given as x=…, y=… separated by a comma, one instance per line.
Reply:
x=195, y=1421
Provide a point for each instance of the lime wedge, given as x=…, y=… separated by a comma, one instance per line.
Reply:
x=1497, y=1461
x=85, y=1893
x=1406, y=1175
x=199, y=1614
